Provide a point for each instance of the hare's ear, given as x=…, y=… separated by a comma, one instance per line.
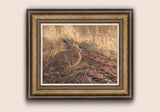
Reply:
x=72, y=41
x=67, y=43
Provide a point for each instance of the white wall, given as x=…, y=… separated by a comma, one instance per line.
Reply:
x=12, y=57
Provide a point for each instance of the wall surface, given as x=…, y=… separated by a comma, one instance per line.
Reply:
x=146, y=55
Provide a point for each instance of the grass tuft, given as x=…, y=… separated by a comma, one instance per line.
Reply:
x=101, y=39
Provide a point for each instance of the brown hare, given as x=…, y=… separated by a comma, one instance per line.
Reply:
x=64, y=60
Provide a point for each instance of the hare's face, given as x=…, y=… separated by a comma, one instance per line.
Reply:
x=76, y=48
x=71, y=45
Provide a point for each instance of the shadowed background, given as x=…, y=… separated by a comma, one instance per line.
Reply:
x=146, y=58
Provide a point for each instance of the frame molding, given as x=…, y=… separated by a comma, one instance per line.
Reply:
x=32, y=93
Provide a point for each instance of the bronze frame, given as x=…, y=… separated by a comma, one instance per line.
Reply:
x=122, y=16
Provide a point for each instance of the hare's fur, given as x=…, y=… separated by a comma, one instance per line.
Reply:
x=66, y=59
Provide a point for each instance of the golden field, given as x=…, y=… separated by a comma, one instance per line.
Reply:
x=101, y=39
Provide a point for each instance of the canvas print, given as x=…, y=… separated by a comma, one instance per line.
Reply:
x=80, y=54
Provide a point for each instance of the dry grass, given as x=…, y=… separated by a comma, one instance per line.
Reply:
x=101, y=39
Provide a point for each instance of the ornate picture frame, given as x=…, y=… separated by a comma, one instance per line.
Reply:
x=79, y=53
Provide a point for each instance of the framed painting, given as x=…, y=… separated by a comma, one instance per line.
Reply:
x=80, y=53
